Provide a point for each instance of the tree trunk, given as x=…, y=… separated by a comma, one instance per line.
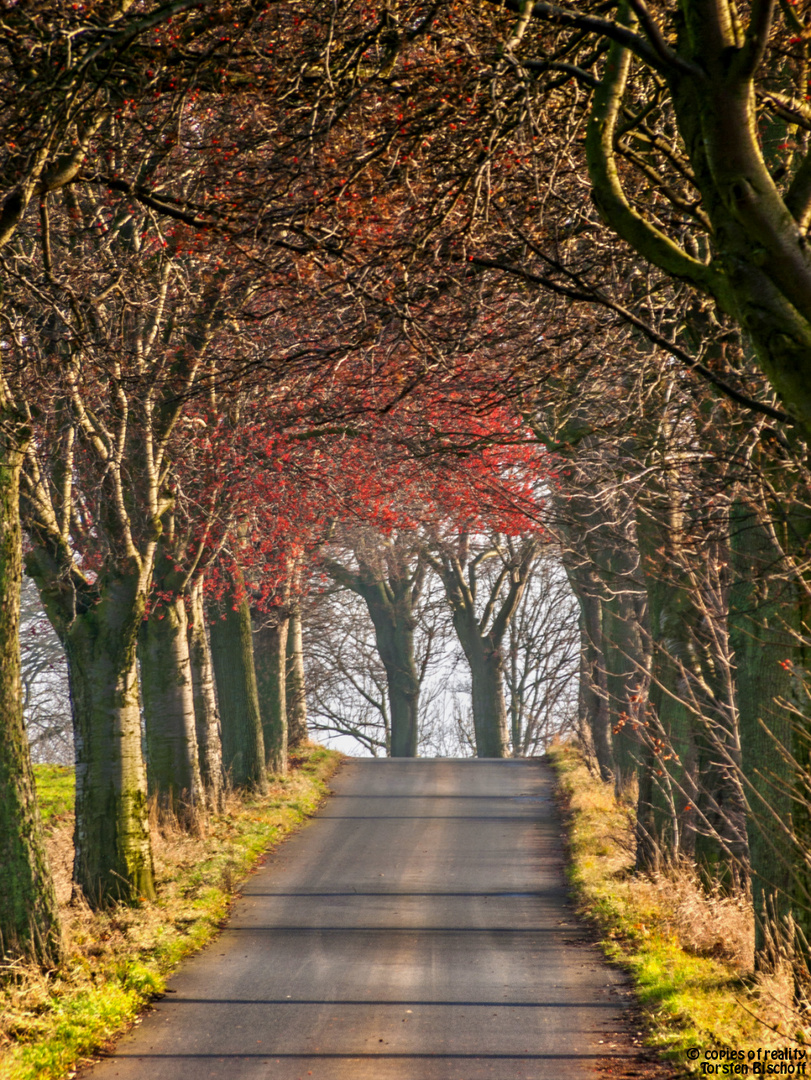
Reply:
x=692, y=723
x=390, y=587
x=489, y=707
x=593, y=693
x=29, y=923
x=648, y=825
x=206, y=713
x=296, y=695
x=574, y=517
x=394, y=637
x=113, y=857
x=667, y=791
x=624, y=661
x=243, y=746
x=173, y=769
x=270, y=660
x=766, y=614
x=482, y=646
x=487, y=679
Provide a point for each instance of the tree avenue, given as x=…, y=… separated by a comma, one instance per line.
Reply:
x=417, y=300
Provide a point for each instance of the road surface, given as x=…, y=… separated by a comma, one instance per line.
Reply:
x=417, y=929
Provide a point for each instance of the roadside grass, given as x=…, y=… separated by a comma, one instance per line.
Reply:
x=55, y=793
x=117, y=961
x=689, y=953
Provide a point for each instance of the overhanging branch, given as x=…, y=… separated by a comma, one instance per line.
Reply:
x=596, y=296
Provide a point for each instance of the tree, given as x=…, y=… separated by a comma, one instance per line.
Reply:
x=389, y=576
x=95, y=496
x=174, y=776
x=347, y=690
x=717, y=80
x=46, y=696
x=29, y=924
x=356, y=187
x=270, y=632
x=243, y=744
x=206, y=713
x=65, y=80
x=541, y=658
x=295, y=683
x=481, y=622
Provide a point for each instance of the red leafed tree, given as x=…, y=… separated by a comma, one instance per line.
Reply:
x=439, y=470
x=279, y=483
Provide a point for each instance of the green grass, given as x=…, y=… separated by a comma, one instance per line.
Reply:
x=686, y=951
x=117, y=961
x=55, y=792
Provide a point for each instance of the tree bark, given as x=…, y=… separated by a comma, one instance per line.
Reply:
x=697, y=805
x=29, y=921
x=394, y=636
x=484, y=656
x=206, y=713
x=489, y=706
x=766, y=628
x=270, y=660
x=593, y=689
x=593, y=692
x=623, y=651
x=113, y=856
x=97, y=619
x=243, y=746
x=173, y=769
x=667, y=791
x=759, y=272
x=296, y=693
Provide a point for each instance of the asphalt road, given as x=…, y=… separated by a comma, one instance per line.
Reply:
x=417, y=929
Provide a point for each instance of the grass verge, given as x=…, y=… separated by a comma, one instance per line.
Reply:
x=116, y=961
x=689, y=953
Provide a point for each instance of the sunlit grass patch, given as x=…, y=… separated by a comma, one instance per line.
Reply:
x=55, y=792
x=119, y=959
x=690, y=953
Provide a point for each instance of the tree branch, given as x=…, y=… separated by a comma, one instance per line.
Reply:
x=610, y=198
x=757, y=37
x=596, y=296
x=614, y=31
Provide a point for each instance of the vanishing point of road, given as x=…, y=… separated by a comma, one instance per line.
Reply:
x=417, y=928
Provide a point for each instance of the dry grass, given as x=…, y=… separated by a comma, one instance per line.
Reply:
x=713, y=925
x=118, y=959
x=690, y=953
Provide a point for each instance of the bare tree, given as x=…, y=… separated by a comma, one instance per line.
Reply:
x=542, y=660
x=46, y=696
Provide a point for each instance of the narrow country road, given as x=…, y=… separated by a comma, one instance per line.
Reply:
x=416, y=929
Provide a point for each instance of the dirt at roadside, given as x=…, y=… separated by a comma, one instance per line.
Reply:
x=633, y=1060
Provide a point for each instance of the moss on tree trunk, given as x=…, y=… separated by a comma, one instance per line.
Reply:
x=29, y=923
x=173, y=769
x=113, y=855
x=243, y=747
x=667, y=790
x=766, y=629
